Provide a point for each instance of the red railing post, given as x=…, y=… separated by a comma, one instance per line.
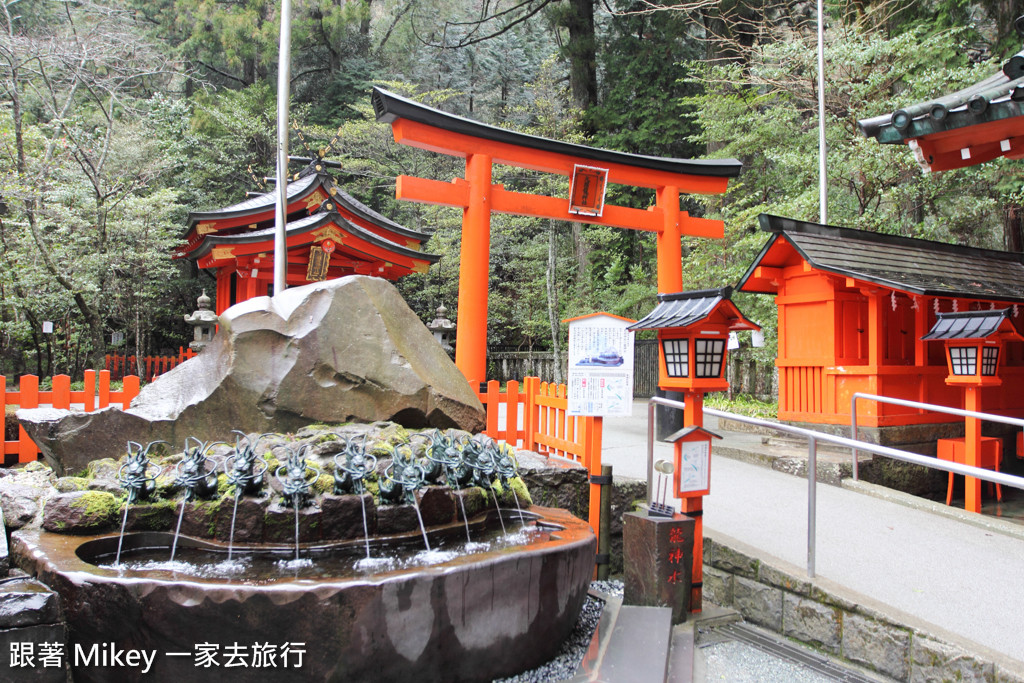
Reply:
x=532, y=386
x=129, y=390
x=512, y=413
x=29, y=398
x=560, y=415
x=89, y=391
x=3, y=405
x=493, y=399
x=104, y=398
x=60, y=392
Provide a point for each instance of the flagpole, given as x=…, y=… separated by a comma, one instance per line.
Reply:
x=283, y=85
x=822, y=150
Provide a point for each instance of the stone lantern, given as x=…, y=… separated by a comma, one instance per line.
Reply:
x=204, y=321
x=443, y=329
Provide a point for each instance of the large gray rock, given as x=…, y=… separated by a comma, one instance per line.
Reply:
x=337, y=351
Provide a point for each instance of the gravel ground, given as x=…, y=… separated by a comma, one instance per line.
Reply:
x=569, y=656
x=731, y=661
x=737, y=662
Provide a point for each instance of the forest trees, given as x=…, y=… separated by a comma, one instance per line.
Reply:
x=120, y=116
x=82, y=230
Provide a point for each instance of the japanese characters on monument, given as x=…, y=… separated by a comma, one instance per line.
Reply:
x=600, y=366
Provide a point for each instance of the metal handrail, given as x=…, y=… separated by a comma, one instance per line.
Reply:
x=812, y=460
x=989, y=417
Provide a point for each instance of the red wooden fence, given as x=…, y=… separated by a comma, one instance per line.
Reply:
x=92, y=397
x=536, y=419
x=118, y=363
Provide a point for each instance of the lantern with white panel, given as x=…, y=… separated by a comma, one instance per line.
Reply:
x=693, y=341
x=975, y=342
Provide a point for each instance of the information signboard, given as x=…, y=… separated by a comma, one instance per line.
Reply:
x=600, y=365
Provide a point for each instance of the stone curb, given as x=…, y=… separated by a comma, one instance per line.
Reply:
x=828, y=617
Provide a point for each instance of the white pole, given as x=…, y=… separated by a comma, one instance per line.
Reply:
x=284, y=72
x=822, y=151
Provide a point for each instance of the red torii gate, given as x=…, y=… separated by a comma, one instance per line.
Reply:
x=482, y=146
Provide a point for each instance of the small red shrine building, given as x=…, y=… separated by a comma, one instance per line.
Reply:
x=853, y=307
x=328, y=232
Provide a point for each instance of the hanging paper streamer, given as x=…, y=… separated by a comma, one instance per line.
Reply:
x=991, y=305
x=892, y=297
x=954, y=306
x=1015, y=310
x=935, y=306
x=914, y=303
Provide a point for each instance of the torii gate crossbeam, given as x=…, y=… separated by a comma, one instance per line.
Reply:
x=482, y=146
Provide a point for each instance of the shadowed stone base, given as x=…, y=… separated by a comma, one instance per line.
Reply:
x=30, y=616
x=343, y=516
x=472, y=619
x=658, y=562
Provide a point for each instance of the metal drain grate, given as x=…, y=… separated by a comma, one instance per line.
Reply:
x=794, y=653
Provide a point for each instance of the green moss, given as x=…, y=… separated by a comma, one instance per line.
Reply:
x=399, y=436
x=206, y=510
x=79, y=483
x=519, y=486
x=324, y=438
x=379, y=449
x=103, y=465
x=272, y=463
x=156, y=516
x=97, y=504
x=223, y=485
x=323, y=484
x=165, y=485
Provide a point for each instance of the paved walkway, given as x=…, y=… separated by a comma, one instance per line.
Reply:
x=954, y=576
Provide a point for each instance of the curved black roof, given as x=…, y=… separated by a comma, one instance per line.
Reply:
x=901, y=263
x=997, y=97
x=308, y=224
x=298, y=188
x=389, y=106
x=967, y=325
x=682, y=309
x=306, y=185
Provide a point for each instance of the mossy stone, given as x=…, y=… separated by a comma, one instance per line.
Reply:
x=81, y=512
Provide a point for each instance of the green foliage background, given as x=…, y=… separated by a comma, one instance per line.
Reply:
x=174, y=110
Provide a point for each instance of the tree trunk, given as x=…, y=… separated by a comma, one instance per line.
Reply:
x=582, y=53
x=556, y=353
x=1013, y=228
x=581, y=250
x=364, y=23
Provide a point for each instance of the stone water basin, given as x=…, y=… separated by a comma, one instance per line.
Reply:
x=473, y=617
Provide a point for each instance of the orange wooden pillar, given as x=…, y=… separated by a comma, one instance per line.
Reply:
x=693, y=415
x=29, y=398
x=972, y=449
x=670, y=247
x=223, y=290
x=474, y=271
